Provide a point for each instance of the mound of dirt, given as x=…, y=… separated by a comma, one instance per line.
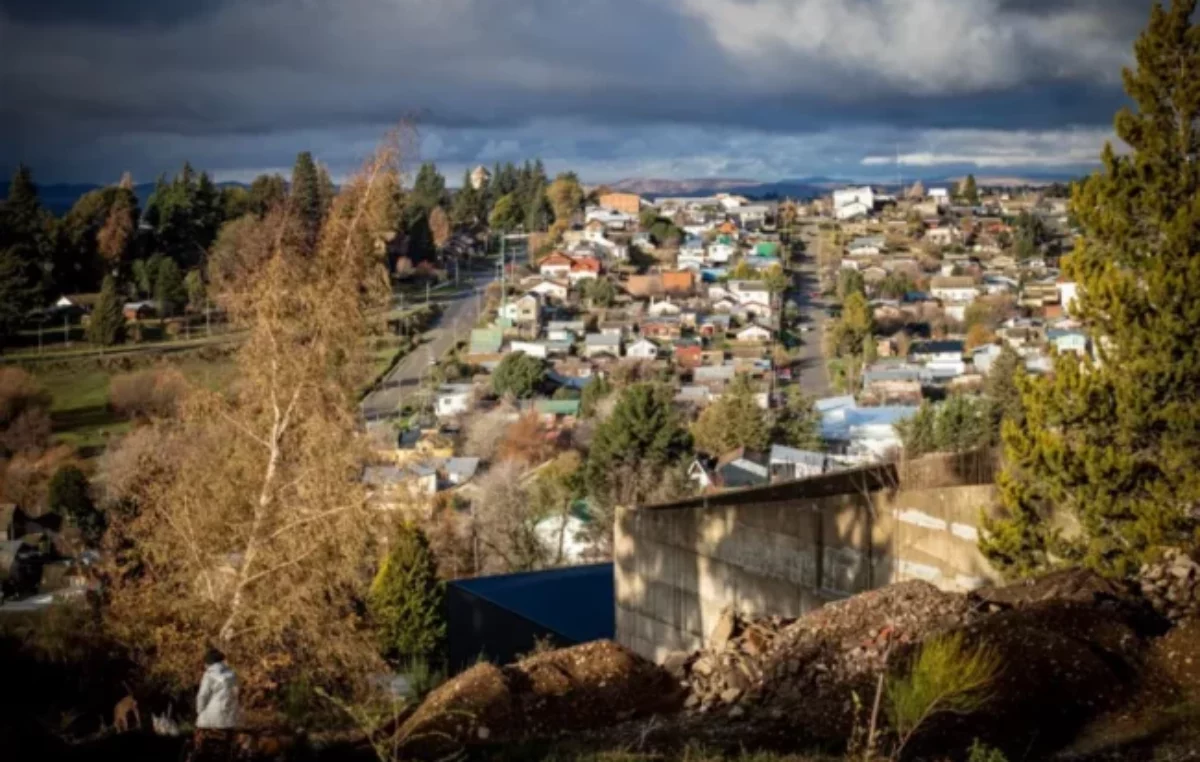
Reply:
x=593, y=685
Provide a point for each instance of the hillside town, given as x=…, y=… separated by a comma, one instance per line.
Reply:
x=724, y=296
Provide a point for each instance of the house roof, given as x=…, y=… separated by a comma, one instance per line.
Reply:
x=557, y=407
x=485, y=341
x=749, y=460
x=464, y=468
x=952, y=281
x=785, y=454
x=601, y=340
x=945, y=346
x=556, y=258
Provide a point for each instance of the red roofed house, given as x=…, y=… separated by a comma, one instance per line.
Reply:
x=583, y=268
x=556, y=265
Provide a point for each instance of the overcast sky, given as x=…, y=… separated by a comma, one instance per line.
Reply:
x=762, y=89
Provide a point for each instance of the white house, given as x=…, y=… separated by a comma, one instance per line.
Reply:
x=720, y=253
x=522, y=311
x=642, y=349
x=565, y=330
x=753, y=333
x=453, y=399
x=532, y=348
x=852, y=211
x=1068, y=340
x=848, y=196
x=940, y=195
x=750, y=292
x=551, y=290
x=557, y=265
x=665, y=307
x=870, y=246
x=960, y=289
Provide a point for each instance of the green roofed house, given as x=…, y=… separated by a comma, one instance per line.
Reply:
x=766, y=249
x=557, y=408
x=725, y=239
x=486, y=341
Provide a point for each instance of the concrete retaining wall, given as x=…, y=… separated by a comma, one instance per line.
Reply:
x=787, y=548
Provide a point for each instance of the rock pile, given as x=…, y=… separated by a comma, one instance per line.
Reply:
x=832, y=647
x=1172, y=586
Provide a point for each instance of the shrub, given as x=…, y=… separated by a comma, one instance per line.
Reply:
x=24, y=420
x=70, y=496
x=405, y=599
x=946, y=677
x=147, y=394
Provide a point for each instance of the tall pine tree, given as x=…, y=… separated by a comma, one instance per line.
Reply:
x=107, y=324
x=1103, y=473
x=306, y=197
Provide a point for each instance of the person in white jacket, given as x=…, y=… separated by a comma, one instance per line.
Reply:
x=217, y=701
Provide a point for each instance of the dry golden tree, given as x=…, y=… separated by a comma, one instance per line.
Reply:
x=253, y=533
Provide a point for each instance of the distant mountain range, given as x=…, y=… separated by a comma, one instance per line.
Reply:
x=60, y=197
x=804, y=187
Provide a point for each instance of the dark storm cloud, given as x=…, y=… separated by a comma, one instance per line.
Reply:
x=94, y=87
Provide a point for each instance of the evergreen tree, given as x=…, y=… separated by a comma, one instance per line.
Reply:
x=107, y=325
x=1003, y=386
x=506, y=215
x=734, y=420
x=197, y=292
x=266, y=192
x=969, y=191
x=18, y=292
x=405, y=600
x=169, y=290
x=537, y=212
x=306, y=198
x=69, y=495
x=428, y=191
x=797, y=423
x=1112, y=443
x=464, y=210
x=643, y=436
x=518, y=374
x=21, y=215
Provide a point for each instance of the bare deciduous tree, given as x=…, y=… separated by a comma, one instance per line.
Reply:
x=254, y=533
x=506, y=521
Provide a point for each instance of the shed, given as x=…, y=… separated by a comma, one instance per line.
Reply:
x=500, y=617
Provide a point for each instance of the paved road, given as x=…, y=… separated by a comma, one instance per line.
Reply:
x=814, y=378
x=459, y=315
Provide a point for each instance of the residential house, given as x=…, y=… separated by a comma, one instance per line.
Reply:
x=664, y=307
x=679, y=282
x=645, y=286
x=552, y=290
x=693, y=394
x=865, y=434
x=555, y=265
x=942, y=235
x=955, y=292
x=486, y=341
x=983, y=357
x=584, y=268
x=753, y=216
x=868, y=246
x=1068, y=340
x=565, y=330
x=750, y=292
x=138, y=310
x=742, y=468
x=852, y=211
x=459, y=471
x=714, y=326
x=665, y=328
x=626, y=203
x=392, y=486
x=719, y=253
x=538, y=349
x=642, y=349
x=610, y=218
x=941, y=196
x=845, y=197
x=688, y=353
x=946, y=352
x=557, y=411
x=710, y=374
x=454, y=399
x=601, y=344
x=526, y=310
x=787, y=463
x=753, y=333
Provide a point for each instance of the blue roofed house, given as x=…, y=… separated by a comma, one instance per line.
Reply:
x=787, y=463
